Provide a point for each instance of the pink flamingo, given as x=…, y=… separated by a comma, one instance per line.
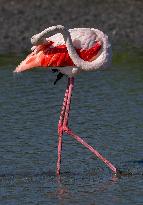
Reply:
x=71, y=52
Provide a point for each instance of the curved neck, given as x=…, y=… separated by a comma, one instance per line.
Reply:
x=100, y=61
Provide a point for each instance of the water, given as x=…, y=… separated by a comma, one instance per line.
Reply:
x=107, y=111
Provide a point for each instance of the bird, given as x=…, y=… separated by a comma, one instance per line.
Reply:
x=70, y=52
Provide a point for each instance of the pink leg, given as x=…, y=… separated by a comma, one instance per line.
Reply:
x=63, y=127
x=60, y=129
x=94, y=151
x=67, y=110
x=68, y=131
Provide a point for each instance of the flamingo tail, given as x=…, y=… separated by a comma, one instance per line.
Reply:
x=31, y=61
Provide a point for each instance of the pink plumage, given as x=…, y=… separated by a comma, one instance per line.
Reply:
x=54, y=53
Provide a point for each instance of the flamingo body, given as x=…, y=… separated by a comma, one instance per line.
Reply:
x=54, y=53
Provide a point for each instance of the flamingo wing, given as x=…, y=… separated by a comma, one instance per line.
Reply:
x=54, y=53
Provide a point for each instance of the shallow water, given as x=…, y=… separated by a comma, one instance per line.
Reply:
x=107, y=111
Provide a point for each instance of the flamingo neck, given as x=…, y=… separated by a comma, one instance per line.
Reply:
x=101, y=61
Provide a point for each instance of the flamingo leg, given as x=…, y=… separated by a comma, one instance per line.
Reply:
x=60, y=128
x=64, y=127
x=67, y=109
x=94, y=151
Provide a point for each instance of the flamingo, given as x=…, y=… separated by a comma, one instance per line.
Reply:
x=70, y=51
